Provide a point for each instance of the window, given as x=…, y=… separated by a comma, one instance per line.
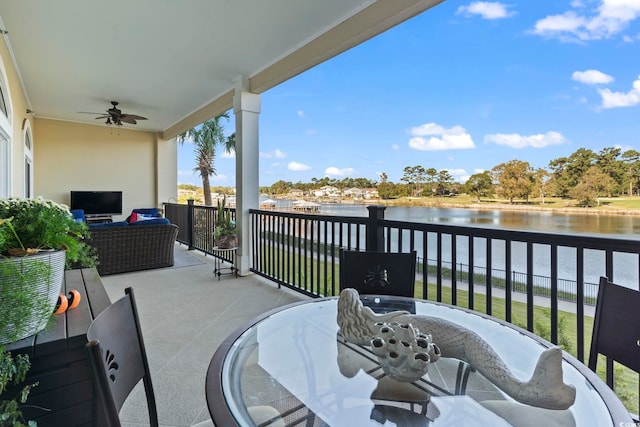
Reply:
x=28, y=164
x=5, y=135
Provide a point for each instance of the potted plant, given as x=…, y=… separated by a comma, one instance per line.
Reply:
x=224, y=234
x=38, y=238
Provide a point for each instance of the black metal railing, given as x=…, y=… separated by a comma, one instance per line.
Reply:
x=301, y=252
x=196, y=226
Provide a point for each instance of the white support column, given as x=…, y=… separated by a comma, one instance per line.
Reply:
x=246, y=107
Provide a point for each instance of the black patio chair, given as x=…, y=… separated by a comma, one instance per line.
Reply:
x=118, y=361
x=616, y=329
x=378, y=273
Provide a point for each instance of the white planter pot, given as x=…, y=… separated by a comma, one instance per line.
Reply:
x=29, y=290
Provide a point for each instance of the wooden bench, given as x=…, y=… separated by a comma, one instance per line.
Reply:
x=64, y=394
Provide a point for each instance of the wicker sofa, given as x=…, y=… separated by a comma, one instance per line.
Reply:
x=122, y=247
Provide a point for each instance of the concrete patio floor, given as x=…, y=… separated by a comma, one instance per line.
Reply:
x=185, y=313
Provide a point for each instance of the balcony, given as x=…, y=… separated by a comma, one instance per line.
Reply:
x=186, y=311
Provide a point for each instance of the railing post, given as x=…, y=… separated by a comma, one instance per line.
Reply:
x=190, y=224
x=375, y=232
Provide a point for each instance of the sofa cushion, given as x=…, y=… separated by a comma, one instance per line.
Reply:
x=78, y=215
x=151, y=221
x=135, y=214
x=108, y=224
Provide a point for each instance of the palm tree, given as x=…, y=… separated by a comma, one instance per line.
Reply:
x=206, y=137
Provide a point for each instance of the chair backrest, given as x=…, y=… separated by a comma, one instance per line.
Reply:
x=380, y=273
x=118, y=361
x=616, y=327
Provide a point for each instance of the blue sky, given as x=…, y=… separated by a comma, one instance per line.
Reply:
x=464, y=86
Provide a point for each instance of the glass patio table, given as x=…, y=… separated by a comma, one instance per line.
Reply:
x=294, y=360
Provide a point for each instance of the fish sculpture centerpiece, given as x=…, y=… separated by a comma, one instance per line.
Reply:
x=405, y=344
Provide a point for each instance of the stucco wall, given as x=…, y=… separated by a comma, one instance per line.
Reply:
x=71, y=156
x=17, y=104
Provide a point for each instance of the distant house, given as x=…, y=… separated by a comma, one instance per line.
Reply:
x=354, y=192
x=371, y=193
x=295, y=193
x=361, y=193
x=327, y=191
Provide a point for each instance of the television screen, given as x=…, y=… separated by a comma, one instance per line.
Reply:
x=97, y=202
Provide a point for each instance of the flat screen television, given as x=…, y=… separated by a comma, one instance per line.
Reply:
x=97, y=202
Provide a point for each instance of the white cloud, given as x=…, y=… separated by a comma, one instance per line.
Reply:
x=515, y=140
x=455, y=138
x=621, y=99
x=592, y=77
x=610, y=18
x=395, y=146
x=300, y=113
x=487, y=10
x=311, y=131
x=334, y=171
x=228, y=155
x=277, y=153
x=475, y=171
x=298, y=167
x=456, y=172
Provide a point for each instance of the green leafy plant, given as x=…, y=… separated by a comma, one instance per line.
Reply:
x=13, y=371
x=28, y=226
x=225, y=226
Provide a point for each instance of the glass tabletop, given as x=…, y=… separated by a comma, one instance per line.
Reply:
x=295, y=361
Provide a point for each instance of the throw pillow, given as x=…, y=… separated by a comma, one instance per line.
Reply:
x=142, y=217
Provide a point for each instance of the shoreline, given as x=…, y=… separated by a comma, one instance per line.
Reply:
x=567, y=210
x=507, y=207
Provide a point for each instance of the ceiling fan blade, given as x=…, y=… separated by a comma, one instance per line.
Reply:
x=133, y=116
x=104, y=116
x=87, y=112
x=127, y=119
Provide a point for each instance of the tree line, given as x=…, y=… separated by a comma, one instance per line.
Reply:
x=585, y=176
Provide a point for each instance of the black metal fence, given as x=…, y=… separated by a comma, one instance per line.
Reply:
x=196, y=226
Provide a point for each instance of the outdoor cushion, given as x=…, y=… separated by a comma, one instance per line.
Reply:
x=108, y=224
x=78, y=214
x=148, y=211
x=135, y=217
x=152, y=212
x=151, y=221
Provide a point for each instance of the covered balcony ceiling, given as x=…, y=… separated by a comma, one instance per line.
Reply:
x=176, y=62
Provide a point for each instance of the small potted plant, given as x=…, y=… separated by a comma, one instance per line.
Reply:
x=224, y=234
x=38, y=239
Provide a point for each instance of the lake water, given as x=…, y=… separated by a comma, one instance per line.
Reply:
x=624, y=226
x=617, y=226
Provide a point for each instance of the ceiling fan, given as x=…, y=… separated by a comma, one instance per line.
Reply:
x=115, y=116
